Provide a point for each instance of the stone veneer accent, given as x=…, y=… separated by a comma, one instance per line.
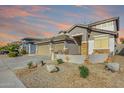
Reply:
x=84, y=48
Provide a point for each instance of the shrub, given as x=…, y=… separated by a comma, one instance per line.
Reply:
x=30, y=64
x=12, y=54
x=84, y=71
x=59, y=61
x=23, y=51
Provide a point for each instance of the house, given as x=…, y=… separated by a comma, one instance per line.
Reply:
x=29, y=45
x=96, y=38
x=59, y=44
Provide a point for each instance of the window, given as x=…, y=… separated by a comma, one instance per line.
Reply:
x=101, y=42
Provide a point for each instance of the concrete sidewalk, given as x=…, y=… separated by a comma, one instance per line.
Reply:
x=8, y=78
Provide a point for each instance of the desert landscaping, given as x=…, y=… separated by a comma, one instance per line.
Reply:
x=69, y=76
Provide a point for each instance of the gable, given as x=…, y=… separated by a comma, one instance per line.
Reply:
x=77, y=31
x=108, y=24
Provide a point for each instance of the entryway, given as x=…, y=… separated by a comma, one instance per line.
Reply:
x=78, y=40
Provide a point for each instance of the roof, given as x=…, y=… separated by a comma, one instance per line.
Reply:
x=61, y=38
x=55, y=39
x=103, y=31
x=92, y=24
x=76, y=25
x=31, y=39
x=94, y=29
x=45, y=40
x=104, y=21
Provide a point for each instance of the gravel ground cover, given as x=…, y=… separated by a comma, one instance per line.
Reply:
x=69, y=77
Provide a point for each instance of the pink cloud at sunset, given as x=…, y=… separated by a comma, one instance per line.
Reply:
x=38, y=8
x=13, y=12
x=44, y=21
x=3, y=43
x=48, y=34
x=63, y=26
x=100, y=11
x=10, y=37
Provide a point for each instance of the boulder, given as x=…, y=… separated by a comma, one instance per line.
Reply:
x=113, y=67
x=51, y=68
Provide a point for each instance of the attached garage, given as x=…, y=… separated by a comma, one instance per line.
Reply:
x=58, y=48
x=43, y=49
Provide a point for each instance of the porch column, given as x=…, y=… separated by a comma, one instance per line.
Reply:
x=84, y=46
x=66, y=51
x=29, y=48
x=36, y=49
x=52, y=54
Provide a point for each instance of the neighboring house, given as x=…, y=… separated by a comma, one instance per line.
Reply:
x=95, y=38
x=29, y=45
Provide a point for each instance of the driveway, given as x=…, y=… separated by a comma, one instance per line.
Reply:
x=7, y=77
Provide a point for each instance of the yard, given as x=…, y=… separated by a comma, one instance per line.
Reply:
x=69, y=76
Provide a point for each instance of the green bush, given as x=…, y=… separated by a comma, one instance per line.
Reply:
x=84, y=71
x=30, y=64
x=23, y=51
x=59, y=61
x=12, y=54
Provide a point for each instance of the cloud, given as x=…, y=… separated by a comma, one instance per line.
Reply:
x=3, y=43
x=39, y=8
x=121, y=33
x=47, y=34
x=12, y=12
x=17, y=11
x=63, y=26
x=73, y=15
x=9, y=36
x=78, y=6
x=100, y=11
x=59, y=25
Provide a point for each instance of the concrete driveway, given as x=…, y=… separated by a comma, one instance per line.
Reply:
x=8, y=78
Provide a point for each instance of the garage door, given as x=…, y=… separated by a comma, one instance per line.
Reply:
x=58, y=47
x=43, y=50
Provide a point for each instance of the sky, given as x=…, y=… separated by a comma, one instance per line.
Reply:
x=17, y=22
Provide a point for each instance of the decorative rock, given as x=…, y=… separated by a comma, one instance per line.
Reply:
x=51, y=68
x=113, y=67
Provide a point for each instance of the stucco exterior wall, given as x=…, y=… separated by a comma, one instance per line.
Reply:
x=112, y=45
x=77, y=59
x=90, y=46
x=79, y=31
x=73, y=48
